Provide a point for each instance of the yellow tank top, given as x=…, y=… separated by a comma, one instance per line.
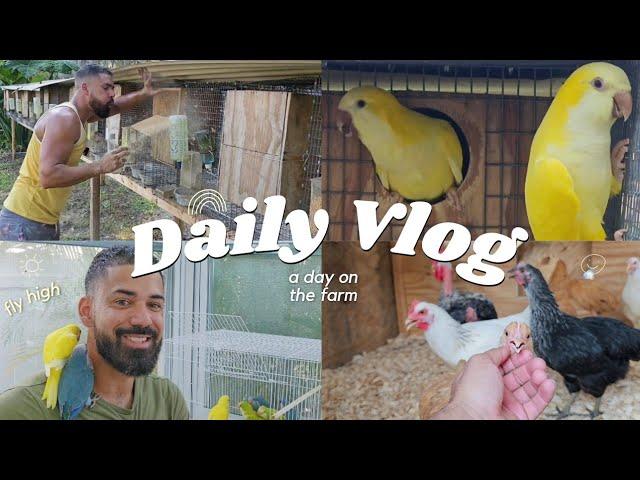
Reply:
x=27, y=197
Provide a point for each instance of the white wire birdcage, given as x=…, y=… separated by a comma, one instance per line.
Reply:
x=211, y=355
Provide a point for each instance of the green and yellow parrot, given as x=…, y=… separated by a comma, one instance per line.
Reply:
x=571, y=172
x=220, y=411
x=58, y=347
x=267, y=413
x=417, y=156
x=248, y=412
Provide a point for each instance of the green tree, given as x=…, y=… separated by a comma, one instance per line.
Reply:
x=24, y=71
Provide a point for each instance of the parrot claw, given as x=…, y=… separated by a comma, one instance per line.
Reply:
x=619, y=234
x=92, y=400
x=617, y=159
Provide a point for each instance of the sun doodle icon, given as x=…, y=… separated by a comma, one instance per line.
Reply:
x=30, y=266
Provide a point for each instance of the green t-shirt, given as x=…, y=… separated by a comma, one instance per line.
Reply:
x=154, y=398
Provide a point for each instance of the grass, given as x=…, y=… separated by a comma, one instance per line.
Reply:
x=6, y=179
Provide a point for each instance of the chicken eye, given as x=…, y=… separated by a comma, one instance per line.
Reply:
x=528, y=336
x=421, y=312
x=597, y=83
x=361, y=103
x=506, y=334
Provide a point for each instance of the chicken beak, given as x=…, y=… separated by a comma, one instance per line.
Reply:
x=409, y=323
x=512, y=272
x=343, y=122
x=622, y=105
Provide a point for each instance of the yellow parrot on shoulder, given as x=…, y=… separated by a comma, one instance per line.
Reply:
x=417, y=156
x=58, y=347
x=572, y=172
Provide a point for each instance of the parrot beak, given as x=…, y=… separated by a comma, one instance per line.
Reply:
x=343, y=122
x=622, y=105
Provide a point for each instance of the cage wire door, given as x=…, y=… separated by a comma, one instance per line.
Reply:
x=495, y=107
x=211, y=355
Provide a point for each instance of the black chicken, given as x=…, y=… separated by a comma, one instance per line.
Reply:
x=462, y=306
x=590, y=353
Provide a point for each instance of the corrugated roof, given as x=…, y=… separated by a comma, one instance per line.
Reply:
x=36, y=85
x=212, y=70
x=221, y=70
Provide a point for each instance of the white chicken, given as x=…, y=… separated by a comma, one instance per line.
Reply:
x=453, y=341
x=631, y=292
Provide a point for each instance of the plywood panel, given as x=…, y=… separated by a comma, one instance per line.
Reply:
x=248, y=174
x=255, y=120
x=265, y=135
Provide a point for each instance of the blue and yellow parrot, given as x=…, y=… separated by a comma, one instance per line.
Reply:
x=76, y=384
x=572, y=172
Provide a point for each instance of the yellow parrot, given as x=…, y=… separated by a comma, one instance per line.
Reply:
x=58, y=347
x=569, y=177
x=220, y=411
x=417, y=156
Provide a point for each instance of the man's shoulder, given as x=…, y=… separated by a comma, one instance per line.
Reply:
x=24, y=399
x=62, y=117
x=34, y=383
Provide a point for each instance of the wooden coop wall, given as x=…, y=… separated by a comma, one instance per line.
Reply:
x=264, y=136
x=413, y=276
x=545, y=256
x=499, y=131
x=350, y=328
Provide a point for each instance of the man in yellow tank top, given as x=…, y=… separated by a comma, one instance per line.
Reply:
x=52, y=165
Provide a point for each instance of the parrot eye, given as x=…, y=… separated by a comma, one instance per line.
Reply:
x=361, y=103
x=597, y=83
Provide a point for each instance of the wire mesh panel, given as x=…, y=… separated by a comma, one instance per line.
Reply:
x=625, y=211
x=495, y=109
x=219, y=356
x=212, y=126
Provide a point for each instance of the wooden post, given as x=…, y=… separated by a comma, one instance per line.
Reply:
x=103, y=179
x=181, y=224
x=13, y=140
x=94, y=209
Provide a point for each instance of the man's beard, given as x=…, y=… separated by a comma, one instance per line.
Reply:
x=99, y=109
x=133, y=362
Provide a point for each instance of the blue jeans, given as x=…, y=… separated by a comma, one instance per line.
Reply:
x=17, y=228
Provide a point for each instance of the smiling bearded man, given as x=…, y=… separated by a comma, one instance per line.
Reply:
x=124, y=317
